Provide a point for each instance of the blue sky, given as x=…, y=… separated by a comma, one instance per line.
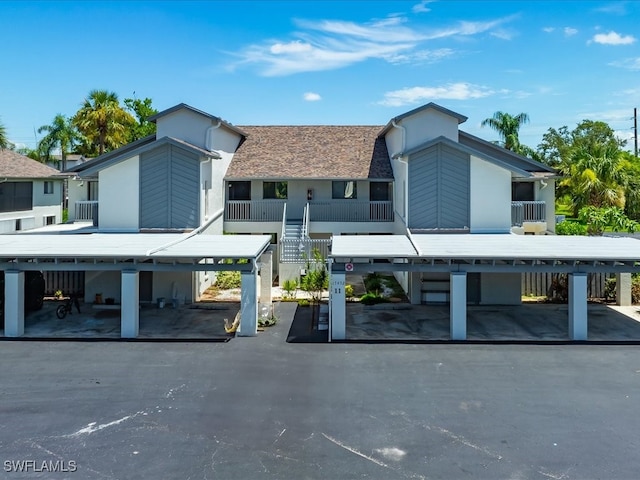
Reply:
x=331, y=62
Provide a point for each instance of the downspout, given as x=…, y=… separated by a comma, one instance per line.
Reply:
x=208, y=141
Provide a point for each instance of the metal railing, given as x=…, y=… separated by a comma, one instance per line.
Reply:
x=351, y=211
x=305, y=221
x=86, y=210
x=528, y=212
x=301, y=250
x=284, y=221
x=254, y=210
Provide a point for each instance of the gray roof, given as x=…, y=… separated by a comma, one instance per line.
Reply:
x=499, y=152
x=138, y=246
x=499, y=160
x=184, y=106
x=15, y=165
x=430, y=105
x=505, y=247
x=313, y=152
x=135, y=148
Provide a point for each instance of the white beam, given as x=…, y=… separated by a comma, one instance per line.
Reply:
x=337, y=307
x=458, y=305
x=130, y=304
x=248, y=305
x=13, y=303
x=266, y=277
x=578, y=306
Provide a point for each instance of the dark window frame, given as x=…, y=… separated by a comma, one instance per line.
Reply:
x=339, y=190
x=275, y=190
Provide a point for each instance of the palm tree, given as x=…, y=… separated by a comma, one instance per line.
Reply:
x=508, y=126
x=4, y=142
x=60, y=134
x=102, y=121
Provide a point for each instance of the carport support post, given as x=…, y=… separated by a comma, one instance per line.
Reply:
x=248, y=305
x=129, y=308
x=578, y=306
x=337, y=305
x=266, y=277
x=13, y=303
x=623, y=289
x=458, y=305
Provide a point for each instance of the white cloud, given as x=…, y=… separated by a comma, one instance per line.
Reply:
x=312, y=97
x=617, y=8
x=422, y=6
x=569, y=31
x=628, y=63
x=331, y=44
x=548, y=29
x=613, y=38
x=451, y=91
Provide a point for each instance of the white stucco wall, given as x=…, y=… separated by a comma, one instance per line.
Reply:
x=421, y=128
x=119, y=196
x=547, y=195
x=41, y=199
x=185, y=125
x=77, y=191
x=490, y=197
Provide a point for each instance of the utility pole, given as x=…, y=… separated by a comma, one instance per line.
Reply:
x=635, y=129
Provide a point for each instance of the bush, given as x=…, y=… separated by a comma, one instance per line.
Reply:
x=372, y=299
x=228, y=280
x=571, y=228
x=303, y=302
x=635, y=289
x=348, y=290
x=289, y=287
x=373, y=282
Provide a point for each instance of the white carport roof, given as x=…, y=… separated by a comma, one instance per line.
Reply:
x=103, y=250
x=492, y=252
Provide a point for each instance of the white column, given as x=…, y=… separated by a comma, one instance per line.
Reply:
x=458, y=306
x=248, y=305
x=130, y=304
x=578, y=306
x=623, y=289
x=13, y=303
x=337, y=306
x=415, y=288
x=266, y=277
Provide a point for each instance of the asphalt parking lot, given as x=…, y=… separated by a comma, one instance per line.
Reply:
x=262, y=408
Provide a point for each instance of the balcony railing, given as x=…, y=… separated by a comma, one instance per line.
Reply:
x=528, y=212
x=254, y=210
x=86, y=211
x=351, y=211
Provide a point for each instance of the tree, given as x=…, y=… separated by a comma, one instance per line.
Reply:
x=4, y=141
x=142, y=110
x=103, y=122
x=315, y=282
x=62, y=135
x=508, y=127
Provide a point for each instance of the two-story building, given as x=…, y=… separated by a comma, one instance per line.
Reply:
x=302, y=185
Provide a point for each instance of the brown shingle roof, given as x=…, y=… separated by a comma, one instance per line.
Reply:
x=327, y=152
x=14, y=165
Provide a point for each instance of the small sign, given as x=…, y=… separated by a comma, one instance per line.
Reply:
x=348, y=267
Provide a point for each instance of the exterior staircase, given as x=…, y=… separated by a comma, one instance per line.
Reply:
x=293, y=236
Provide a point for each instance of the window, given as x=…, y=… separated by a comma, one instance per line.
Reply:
x=239, y=190
x=274, y=190
x=48, y=187
x=344, y=189
x=379, y=191
x=522, y=192
x=50, y=220
x=16, y=196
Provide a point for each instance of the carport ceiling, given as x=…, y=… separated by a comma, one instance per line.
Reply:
x=491, y=252
x=101, y=251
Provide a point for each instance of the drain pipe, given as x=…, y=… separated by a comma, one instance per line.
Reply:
x=208, y=140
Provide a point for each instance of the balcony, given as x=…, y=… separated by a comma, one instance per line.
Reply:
x=319, y=211
x=522, y=212
x=86, y=211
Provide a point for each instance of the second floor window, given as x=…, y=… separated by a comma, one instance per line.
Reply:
x=48, y=187
x=240, y=190
x=344, y=189
x=15, y=196
x=274, y=190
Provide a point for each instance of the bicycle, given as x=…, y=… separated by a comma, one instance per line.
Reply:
x=67, y=307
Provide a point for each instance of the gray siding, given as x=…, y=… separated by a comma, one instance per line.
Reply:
x=169, y=188
x=439, y=188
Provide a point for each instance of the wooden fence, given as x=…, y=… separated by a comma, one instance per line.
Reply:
x=537, y=283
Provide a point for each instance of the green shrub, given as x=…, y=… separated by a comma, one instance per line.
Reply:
x=303, y=302
x=289, y=287
x=571, y=228
x=228, y=280
x=635, y=289
x=372, y=299
x=373, y=282
x=348, y=290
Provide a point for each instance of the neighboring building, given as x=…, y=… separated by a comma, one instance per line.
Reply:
x=304, y=184
x=30, y=193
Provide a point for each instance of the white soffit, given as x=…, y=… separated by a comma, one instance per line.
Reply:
x=374, y=246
